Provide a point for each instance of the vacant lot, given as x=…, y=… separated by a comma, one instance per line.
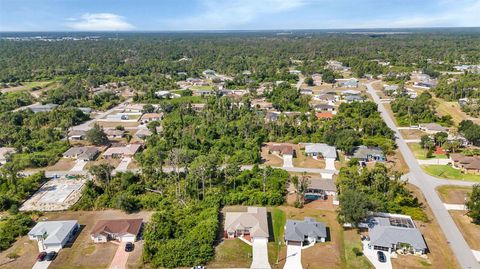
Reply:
x=421, y=153
x=446, y=171
x=396, y=162
x=453, y=194
x=232, y=253
x=470, y=231
x=412, y=134
x=453, y=109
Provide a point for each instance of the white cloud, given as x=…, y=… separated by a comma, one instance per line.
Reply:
x=100, y=22
x=221, y=14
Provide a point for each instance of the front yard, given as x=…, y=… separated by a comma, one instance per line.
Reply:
x=448, y=172
x=421, y=153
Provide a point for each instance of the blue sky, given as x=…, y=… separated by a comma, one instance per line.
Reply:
x=166, y=15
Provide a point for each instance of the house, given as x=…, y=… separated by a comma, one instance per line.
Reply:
x=82, y=153
x=351, y=92
x=337, y=66
x=317, y=79
x=42, y=108
x=114, y=133
x=53, y=235
x=391, y=232
x=368, y=154
x=85, y=110
x=432, y=128
x=306, y=91
x=426, y=84
x=306, y=232
x=261, y=104
x=163, y=94
x=324, y=107
x=5, y=154
x=143, y=133
x=133, y=108
x=349, y=83
x=122, y=230
x=281, y=149
x=390, y=88
x=203, y=92
x=320, y=150
x=353, y=98
x=330, y=99
x=319, y=189
x=324, y=115
x=77, y=134
x=120, y=152
x=468, y=164
x=271, y=116
x=294, y=72
x=148, y=117
x=209, y=73
x=251, y=224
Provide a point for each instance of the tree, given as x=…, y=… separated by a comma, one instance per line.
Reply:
x=97, y=136
x=309, y=81
x=354, y=207
x=102, y=174
x=148, y=108
x=473, y=204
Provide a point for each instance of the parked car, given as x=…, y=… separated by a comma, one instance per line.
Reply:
x=381, y=256
x=41, y=256
x=129, y=247
x=199, y=267
x=51, y=256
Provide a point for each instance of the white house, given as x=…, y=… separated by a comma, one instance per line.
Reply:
x=53, y=235
x=123, y=230
x=319, y=150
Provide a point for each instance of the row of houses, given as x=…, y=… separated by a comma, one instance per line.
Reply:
x=91, y=153
x=54, y=235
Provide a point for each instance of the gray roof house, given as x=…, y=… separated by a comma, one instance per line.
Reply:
x=353, y=98
x=42, y=108
x=351, y=83
x=307, y=231
x=81, y=153
x=77, y=134
x=323, y=107
x=367, y=154
x=390, y=88
x=432, y=128
x=389, y=232
x=53, y=235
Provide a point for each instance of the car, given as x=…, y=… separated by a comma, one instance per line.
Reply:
x=381, y=256
x=129, y=247
x=51, y=256
x=41, y=256
x=199, y=267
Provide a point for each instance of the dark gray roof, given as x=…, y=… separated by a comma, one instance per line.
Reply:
x=388, y=231
x=297, y=229
x=362, y=152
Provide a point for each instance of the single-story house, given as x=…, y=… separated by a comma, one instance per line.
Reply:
x=432, y=128
x=331, y=99
x=85, y=110
x=305, y=232
x=349, y=83
x=122, y=230
x=114, y=133
x=81, y=153
x=53, y=235
x=324, y=115
x=368, y=154
x=42, y=108
x=271, y=116
x=142, y=133
x=324, y=107
x=251, y=224
x=77, y=134
x=306, y=91
x=390, y=232
x=120, y=152
x=319, y=189
x=320, y=150
x=4, y=154
x=351, y=92
x=390, y=88
x=468, y=164
x=281, y=149
x=148, y=117
x=353, y=98
x=133, y=108
x=261, y=104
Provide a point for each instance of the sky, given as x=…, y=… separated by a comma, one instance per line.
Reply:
x=175, y=15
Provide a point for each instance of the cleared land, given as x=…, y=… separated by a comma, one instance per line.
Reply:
x=421, y=153
x=453, y=109
x=469, y=230
x=446, y=171
x=412, y=134
x=453, y=194
x=232, y=253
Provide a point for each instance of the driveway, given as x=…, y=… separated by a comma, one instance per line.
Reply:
x=294, y=257
x=41, y=265
x=260, y=254
x=371, y=255
x=427, y=185
x=121, y=257
x=287, y=161
x=79, y=165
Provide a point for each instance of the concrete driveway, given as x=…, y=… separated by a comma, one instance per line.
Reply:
x=260, y=254
x=123, y=166
x=79, y=165
x=287, y=161
x=294, y=257
x=371, y=255
x=121, y=257
x=41, y=265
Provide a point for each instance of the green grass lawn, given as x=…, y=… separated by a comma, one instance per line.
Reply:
x=33, y=84
x=232, y=253
x=279, y=219
x=354, y=259
x=421, y=153
x=446, y=171
x=201, y=88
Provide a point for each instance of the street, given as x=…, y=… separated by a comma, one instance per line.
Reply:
x=427, y=185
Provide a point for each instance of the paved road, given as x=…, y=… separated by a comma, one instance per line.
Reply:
x=427, y=185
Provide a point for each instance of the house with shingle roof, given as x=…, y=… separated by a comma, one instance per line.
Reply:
x=123, y=230
x=252, y=223
x=432, y=128
x=305, y=232
x=53, y=235
x=368, y=154
x=81, y=153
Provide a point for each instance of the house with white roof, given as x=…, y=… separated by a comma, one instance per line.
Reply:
x=53, y=235
x=320, y=150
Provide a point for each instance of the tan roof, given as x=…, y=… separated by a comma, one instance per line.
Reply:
x=148, y=116
x=474, y=165
x=282, y=148
x=130, y=149
x=254, y=220
x=120, y=226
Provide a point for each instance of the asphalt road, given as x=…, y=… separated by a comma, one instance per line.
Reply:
x=427, y=185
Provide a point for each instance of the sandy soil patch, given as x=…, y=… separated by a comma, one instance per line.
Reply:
x=469, y=230
x=453, y=194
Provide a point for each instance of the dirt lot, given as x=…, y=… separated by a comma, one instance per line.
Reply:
x=453, y=194
x=469, y=230
x=453, y=109
x=83, y=253
x=396, y=162
x=63, y=164
x=412, y=134
x=440, y=255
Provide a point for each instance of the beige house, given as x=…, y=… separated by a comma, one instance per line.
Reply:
x=120, y=152
x=251, y=224
x=122, y=230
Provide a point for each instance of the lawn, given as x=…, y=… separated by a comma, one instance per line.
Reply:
x=201, y=88
x=232, y=253
x=278, y=222
x=446, y=171
x=453, y=194
x=420, y=153
x=352, y=247
x=39, y=84
x=469, y=230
